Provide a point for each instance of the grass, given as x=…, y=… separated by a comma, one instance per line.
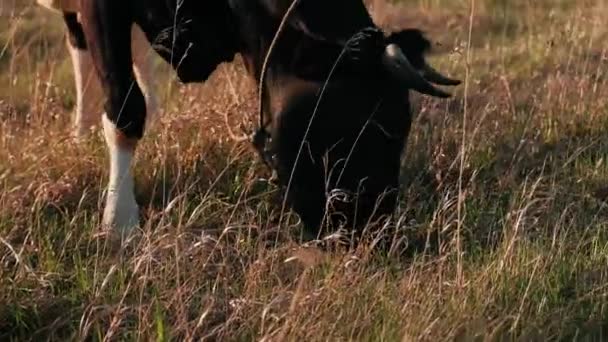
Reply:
x=506, y=231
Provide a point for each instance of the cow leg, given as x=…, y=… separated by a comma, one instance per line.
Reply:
x=121, y=210
x=107, y=27
x=88, y=94
x=142, y=65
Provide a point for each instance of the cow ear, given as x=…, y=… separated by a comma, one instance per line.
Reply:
x=413, y=43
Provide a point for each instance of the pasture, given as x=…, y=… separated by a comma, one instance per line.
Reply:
x=501, y=232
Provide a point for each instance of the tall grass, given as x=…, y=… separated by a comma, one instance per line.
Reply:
x=502, y=217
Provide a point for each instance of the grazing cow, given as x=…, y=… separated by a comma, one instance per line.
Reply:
x=321, y=37
x=88, y=89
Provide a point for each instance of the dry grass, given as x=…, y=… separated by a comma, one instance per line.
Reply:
x=506, y=231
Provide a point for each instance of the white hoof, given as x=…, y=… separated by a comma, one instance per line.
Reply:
x=121, y=213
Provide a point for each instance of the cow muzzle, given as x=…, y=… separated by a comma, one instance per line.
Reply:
x=397, y=64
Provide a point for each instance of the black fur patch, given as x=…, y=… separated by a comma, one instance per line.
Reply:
x=413, y=43
x=75, y=32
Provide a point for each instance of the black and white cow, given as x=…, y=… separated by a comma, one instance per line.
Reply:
x=89, y=95
x=369, y=73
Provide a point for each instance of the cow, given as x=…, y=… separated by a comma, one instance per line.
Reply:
x=337, y=145
x=88, y=88
x=320, y=38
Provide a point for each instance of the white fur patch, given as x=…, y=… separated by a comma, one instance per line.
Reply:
x=121, y=211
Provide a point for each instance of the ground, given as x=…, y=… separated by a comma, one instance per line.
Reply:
x=501, y=232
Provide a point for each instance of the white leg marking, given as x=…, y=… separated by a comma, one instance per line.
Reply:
x=142, y=67
x=121, y=211
x=88, y=99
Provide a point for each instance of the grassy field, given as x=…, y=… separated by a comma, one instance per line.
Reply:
x=503, y=217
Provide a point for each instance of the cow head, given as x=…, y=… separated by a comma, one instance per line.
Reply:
x=338, y=145
x=192, y=36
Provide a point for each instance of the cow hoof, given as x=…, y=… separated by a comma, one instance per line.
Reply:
x=121, y=214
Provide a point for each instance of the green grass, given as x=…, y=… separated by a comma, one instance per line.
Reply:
x=510, y=244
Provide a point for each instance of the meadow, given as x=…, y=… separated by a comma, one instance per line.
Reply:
x=501, y=232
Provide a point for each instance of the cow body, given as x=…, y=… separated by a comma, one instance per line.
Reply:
x=196, y=36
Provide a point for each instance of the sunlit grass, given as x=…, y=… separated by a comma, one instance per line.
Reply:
x=211, y=260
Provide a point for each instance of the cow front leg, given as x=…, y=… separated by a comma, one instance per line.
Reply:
x=123, y=126
x=121, y=209
x=108, y=28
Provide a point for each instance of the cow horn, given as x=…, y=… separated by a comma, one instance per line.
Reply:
x=434, y=76
x=399, y=66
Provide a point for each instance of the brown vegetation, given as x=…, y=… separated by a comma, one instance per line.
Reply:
x=503, y=213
